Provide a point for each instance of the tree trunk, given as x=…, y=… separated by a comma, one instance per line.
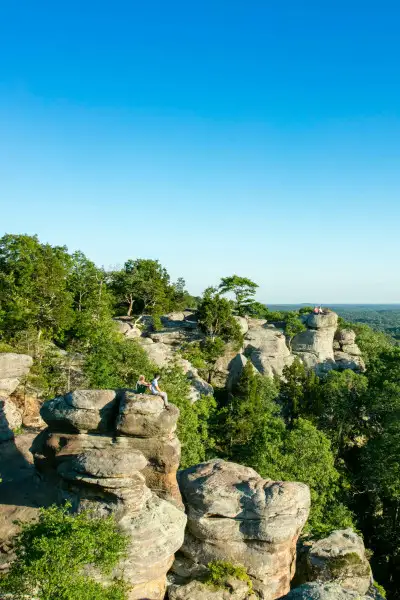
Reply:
x=130, y=307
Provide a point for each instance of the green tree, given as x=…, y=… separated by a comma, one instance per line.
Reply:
x=51, y=555
x=216, y=319
x=143, y=286
x=242, y=288
x=33, y=286
x=298, y=393
x=293, y=325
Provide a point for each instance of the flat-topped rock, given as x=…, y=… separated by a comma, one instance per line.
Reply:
x=83, y=410
x=143, y=415
x=12, y=368
x=321, y=591
x=322, y=321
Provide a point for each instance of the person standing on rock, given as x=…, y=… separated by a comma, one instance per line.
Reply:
x=155, y=390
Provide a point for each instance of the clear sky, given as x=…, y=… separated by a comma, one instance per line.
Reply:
x=252, y=137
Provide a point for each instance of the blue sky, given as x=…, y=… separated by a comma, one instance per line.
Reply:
x=251, y=137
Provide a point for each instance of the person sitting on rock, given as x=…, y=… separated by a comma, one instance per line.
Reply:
x=316, y=310
x=320, y=311
x=141, y=385
x=155, y=390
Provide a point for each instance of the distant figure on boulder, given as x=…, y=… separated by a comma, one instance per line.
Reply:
x=141, y=385
x=155, y=390
x=316, y=310
x=320, y=311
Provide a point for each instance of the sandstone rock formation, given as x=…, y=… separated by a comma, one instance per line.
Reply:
x=346, y=352
x=116, y=452
x=340, y=558
x=315, y=345
x=236, y=516
x=196, y=590
x=266, y=347
x=13, y=367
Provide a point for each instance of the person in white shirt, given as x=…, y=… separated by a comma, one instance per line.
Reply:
x=155, y=390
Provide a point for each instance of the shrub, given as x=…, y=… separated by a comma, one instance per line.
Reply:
x=52, y=552
x=220, y=571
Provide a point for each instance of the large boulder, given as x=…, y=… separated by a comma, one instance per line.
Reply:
x=325, y=320
x=12, y=368
x=81, y=411
x=142, y=415
x=266, y=347
x=340, y=558
x=236, y=516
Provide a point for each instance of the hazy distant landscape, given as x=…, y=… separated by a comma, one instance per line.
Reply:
x=381, y=317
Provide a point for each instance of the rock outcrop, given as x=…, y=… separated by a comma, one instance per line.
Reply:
x=13, y=367
x=266, y=347
x=116, y=452
x=347, y=354
x=234, y=515
x=315, y=345
x=197, y=590
x=340, y=558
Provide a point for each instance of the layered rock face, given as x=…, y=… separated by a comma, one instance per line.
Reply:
x=116, y=452
x=315, y=345
x=13, y=367
x=266, y=347
x=234, y=515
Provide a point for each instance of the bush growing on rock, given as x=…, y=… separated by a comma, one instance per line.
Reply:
x=52, y=553
x=220, y=571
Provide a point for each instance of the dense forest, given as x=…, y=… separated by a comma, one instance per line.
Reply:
x=339, y=433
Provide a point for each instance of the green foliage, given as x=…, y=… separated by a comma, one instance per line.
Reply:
x=33, y=286
x=51, y=555
x=216, y=319
x=143, y=287
x=380, y=589
x=293, y=325
x=219, y=573
x=193, y=425
x=242, y=288
x=306, y=310
x=306, y=456
x=298, y=392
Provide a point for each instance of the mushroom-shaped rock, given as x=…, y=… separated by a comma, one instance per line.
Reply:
x=143, y=415
x=82, y=410
x=341, y=558
x=235, y=515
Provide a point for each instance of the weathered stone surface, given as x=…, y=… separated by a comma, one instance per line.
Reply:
x=107, y=474
x=266, y=347
x=352, y=349
x=321, y=591
x=127, y=328
x=14, y=365
x=348, y=361
x=10, y=418
x=82, y=410
x=327, y=320
x=345, y=336
x=143, y=415
x=235, y=515
x=196, y=590
x=340, y=558
x=315, y=341
x=243, y=324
